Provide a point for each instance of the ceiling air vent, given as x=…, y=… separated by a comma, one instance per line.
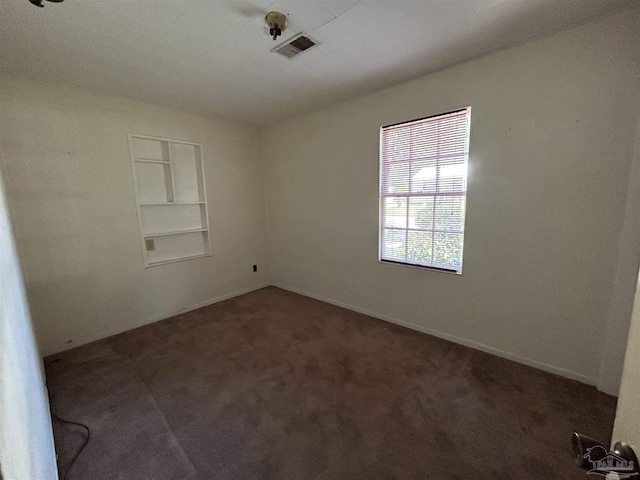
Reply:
x=295, y=45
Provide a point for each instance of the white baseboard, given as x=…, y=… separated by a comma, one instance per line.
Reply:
x=452, y=338
x=52, y=349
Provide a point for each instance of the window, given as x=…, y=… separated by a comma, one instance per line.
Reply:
x=423, y=183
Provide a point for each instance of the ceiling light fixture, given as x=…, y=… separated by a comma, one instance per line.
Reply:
x=277, y=23
x=38, y=3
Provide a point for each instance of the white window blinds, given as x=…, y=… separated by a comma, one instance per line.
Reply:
x=423, y=183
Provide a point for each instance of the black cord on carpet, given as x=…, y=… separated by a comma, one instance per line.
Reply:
x=66, y=470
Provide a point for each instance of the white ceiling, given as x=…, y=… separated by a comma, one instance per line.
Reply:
x=213, y=56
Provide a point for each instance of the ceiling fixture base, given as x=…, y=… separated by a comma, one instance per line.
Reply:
x=277, y=23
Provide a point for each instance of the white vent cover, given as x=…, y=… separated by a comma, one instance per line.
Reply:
x=295, y=45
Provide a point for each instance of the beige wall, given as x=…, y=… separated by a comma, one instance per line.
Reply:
x=552, y=135
x=616, y=330
x=26, y=439
x=627, y=424
x=69, y=184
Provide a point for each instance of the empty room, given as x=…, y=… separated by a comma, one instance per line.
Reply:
x=319, y=239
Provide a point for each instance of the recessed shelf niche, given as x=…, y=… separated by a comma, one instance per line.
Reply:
x=171, y=199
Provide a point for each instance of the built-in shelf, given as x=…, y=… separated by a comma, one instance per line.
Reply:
x=171, y=199
x=176, y=232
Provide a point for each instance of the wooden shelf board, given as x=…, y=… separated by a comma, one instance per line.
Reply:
x=179, y=259
x=175, y=232
x=155, y=204
x=151, y=160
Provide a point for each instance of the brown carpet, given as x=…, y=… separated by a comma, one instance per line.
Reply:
x=274, y=385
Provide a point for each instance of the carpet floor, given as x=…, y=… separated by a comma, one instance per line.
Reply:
x=274, y=385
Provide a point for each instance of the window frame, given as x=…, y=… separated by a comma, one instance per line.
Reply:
x=382, y=195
